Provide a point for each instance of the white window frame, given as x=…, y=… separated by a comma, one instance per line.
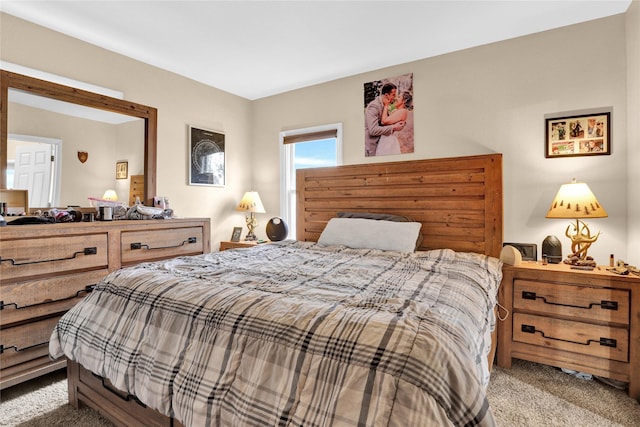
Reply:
x=287, y=170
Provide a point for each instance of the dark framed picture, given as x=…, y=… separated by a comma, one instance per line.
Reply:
x=235, y=236
x=584, y=135
x=206, y=157
x=122, y=170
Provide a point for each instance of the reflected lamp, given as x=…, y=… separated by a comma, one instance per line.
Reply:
x=252, y=204
x=110, y=195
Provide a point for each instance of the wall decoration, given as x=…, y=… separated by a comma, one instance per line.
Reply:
x=583, y=135
x=237, y=232
x=388, y=116
x=206, y=157
x=83, y=156
x=122, y=170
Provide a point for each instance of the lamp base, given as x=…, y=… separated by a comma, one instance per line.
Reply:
x=250, y=237
x=251, y=225
x=581, y=239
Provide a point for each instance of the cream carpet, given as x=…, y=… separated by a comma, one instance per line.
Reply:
x=526, y=395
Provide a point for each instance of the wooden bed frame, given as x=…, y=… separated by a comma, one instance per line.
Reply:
x=457, y=200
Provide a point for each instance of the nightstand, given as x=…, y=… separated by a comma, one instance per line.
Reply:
x=588, y=321
x=234, y=245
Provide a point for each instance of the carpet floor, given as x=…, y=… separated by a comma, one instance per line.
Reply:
x=528, y=394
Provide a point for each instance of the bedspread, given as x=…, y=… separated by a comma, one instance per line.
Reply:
x=294, y=333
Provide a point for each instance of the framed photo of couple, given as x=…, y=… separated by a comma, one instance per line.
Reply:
x=388, y=116
x=580, y=135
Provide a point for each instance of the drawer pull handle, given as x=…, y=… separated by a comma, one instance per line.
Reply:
x=604, y=304
x=138, y=245
x=3, y=348
x=606, y=342
x=85, y=251
x=126, y=398
x=86, y=289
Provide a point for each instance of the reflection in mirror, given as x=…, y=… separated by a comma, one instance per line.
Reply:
x=33, y=163
x=110, y=130
x=63, y=180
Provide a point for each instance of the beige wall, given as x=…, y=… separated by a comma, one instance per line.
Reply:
x=179, y=101
x=482, y=100
x=489, y=99
x=633, y=114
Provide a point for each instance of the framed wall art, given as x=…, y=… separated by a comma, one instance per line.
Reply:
x=583, y=135
x=206, y=157
x=122, y=170
x=388, y=116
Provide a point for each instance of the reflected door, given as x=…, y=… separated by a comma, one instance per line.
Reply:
x=33, y=168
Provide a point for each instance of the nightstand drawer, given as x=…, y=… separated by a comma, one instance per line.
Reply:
x=583, y=338
x=578, y=302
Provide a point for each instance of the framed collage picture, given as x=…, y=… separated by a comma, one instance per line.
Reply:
x=584, y=135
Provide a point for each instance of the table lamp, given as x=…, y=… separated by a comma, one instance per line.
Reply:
x=577, y=201
x=251, y=203
x=110, y=195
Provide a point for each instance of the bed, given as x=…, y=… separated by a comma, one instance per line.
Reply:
x=310, y=332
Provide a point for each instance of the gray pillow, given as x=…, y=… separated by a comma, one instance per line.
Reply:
x=377, y=216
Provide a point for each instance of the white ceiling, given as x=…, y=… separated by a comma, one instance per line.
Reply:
x=255, y=49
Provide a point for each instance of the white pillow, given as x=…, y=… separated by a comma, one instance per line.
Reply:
x=371, y=234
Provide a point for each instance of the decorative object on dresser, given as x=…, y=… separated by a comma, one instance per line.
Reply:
x=46, y=269
x=528, y=251
x=252, y=204
x=577, y=201
x=235, y=235
x=552, y=249
x=510, y=255
x=588, y=321
x=277, y=229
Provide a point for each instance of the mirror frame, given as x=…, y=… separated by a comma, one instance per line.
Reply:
x=88, y=99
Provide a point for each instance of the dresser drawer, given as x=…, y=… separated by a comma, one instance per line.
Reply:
x=43, y=297
x=23, y=343
x=138, y=246
x=594, y=340
x=52, y=255
x=578, y=302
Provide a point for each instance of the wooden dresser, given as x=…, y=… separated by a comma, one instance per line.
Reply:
x=588, y=321
x=46, y=269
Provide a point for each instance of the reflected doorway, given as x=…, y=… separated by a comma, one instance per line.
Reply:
x=33, y=164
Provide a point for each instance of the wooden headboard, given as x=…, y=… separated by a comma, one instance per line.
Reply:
x=457, y=200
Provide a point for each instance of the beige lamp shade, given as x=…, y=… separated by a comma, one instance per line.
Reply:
x=576, y=200
x=110, y=195
x=251, y=203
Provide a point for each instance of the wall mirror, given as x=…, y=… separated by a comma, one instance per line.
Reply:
x=68, y=121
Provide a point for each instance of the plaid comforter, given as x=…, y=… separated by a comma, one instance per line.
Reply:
x=294, y=334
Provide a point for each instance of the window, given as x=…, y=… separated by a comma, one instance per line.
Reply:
x=305, y=148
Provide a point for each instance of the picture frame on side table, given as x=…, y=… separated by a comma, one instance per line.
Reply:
x=578, y=135
x=206, y=157
x=237, y=232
